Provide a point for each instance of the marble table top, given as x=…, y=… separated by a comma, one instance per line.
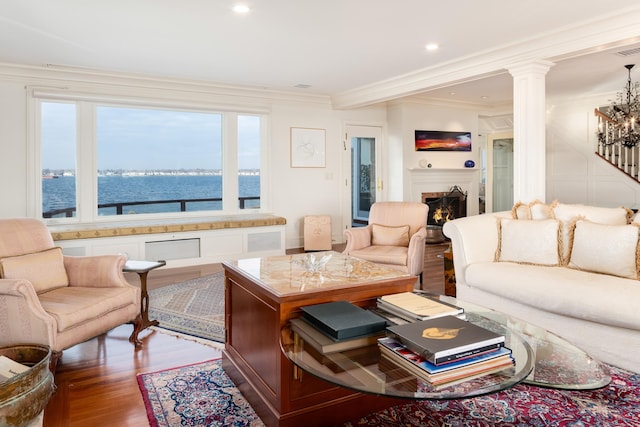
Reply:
x=288, y=274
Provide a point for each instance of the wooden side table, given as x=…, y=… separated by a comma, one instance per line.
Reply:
x=449, y=273
x=143, y=268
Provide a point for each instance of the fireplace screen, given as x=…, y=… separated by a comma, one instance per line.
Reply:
x=445, y=206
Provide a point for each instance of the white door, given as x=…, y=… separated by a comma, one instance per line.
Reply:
x=363, y=184
x=499, y=184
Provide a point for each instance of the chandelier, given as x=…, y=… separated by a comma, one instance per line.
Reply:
x=618, y=125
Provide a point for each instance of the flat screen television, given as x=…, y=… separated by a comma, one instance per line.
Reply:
x=436, y=140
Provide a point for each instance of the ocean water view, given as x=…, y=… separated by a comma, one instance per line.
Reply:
x=59, y=193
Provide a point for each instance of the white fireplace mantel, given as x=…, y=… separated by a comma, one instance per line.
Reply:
x=427, y=180
x=443, y=169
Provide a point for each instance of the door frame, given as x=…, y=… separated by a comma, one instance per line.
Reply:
x=488, y=188
x=364, y=130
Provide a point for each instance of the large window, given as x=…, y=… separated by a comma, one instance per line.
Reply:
x=249, y=131
x=100, y=160
x=152, y=161
x=58, y=158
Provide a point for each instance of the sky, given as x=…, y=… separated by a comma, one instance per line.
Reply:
x=147, y=139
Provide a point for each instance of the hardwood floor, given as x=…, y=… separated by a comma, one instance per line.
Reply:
x=96, y=380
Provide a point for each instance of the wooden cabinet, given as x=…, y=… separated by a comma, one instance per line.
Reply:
x=259, y=302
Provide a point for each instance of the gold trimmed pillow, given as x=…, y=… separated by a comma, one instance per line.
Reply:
x=597, y=214
x=382, y=235
x=45, y=270
x=569, y=213
x=529, y=241
x=520, y=211
x=535, y=210
x=608, y=249
x=540, y=210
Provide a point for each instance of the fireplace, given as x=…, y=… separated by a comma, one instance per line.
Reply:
x=443, y=206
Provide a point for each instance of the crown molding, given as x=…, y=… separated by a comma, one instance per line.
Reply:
x=425, y=99
x=115, y=83
x=618, y=28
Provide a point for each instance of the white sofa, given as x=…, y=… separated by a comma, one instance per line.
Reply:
x=586, y=290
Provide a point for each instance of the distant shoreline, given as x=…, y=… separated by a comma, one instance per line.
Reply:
x=156, y=186
x=51, y=173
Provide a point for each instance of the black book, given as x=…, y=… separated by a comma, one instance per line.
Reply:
x=342, y=320
x=445, y=339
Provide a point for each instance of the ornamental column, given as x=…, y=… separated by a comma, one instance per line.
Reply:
x=529, y=130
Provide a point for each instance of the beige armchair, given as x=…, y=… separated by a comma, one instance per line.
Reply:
x=56, y=300
x=395, y=236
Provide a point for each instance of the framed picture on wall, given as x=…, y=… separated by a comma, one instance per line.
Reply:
x=436, y=140
x=307, y=148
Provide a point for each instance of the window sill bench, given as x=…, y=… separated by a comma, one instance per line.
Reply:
x=132, y=228
x=179, y=242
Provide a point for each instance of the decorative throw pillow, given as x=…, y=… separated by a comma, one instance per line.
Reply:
x=520, y=211
x=382, y=235
x=45, y=270
x=528, y=241
x=540, y=210
x=613, y=216
x=608, y=249
x=569, y=213
x=534, y=210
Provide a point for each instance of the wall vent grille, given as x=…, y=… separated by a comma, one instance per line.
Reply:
x=629, y=52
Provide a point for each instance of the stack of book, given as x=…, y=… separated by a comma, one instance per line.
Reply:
x=394, y=354
x=338, y=326
x=445, y=349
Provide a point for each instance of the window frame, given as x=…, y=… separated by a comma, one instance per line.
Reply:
x=86, y=155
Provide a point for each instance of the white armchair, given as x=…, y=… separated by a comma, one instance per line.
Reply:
x=395, y=236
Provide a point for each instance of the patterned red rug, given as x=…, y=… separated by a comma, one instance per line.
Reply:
x=195, y=395
x=203, y=395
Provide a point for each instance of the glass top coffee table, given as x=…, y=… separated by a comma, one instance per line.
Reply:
x=541, y=358
x=557, y=363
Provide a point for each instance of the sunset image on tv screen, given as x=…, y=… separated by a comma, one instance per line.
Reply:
x=430, y=140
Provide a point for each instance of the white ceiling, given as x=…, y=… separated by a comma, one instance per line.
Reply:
x=334, y=46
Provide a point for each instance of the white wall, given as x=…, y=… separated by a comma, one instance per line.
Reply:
x=298, y=192
x=574, y=173
x=13, y=150
x=408, y=117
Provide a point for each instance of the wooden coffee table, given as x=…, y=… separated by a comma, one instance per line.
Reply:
x=261, y=296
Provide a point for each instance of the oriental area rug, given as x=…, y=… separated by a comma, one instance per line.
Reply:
x=203, y=395
x=194, y=307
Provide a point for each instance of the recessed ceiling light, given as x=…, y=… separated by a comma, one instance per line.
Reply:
x=432, y=46
x=241, y=8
